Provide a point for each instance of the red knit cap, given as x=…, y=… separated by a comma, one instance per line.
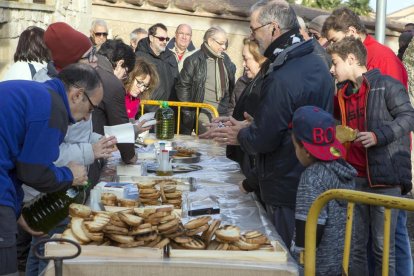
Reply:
x=66, y=44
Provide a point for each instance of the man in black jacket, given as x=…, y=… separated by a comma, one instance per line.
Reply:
x=115, y=60
x=153, y=48
x=295, y=77
x=207, y=77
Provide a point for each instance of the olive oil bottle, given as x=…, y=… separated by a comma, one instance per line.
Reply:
x=46, y=211
x=164, y=129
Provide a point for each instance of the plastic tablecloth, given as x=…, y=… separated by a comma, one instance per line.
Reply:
x=217, y=180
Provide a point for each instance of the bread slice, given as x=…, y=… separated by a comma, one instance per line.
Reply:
x=79, y=210
x=68, y=234
x=76, y=226
x=195, y=223
x=209, y=233
x=228, y=233
x=121, y=238
x=345, y=133
x=131, y=220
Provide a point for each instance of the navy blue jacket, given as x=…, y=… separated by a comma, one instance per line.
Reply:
x=297, y=77
x=34, y=118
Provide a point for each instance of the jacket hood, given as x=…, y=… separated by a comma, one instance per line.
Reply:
x=344, y=172
x=171, y=45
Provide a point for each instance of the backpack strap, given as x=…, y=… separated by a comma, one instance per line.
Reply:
x=32, y=70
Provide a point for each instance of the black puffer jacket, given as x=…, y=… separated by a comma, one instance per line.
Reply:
x=390, y=116
x=191, y=85
x=167, y=69
x=297, y=77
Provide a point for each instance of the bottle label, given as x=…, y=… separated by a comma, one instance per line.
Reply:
x=72, y=193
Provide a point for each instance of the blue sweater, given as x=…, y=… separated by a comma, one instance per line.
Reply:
x=33, y=121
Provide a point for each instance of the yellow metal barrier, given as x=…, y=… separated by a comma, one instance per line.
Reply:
x=212, y=109
x=389, y=202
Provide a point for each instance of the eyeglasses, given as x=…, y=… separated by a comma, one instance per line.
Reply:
x=91, y=55
x=141, y=85
x=315, y=35
x=161, y=38
x=90, y=102
x=221, y=43
x=253, y=30
x=101, y=34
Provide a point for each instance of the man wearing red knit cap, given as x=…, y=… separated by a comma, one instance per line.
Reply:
x=66, y=44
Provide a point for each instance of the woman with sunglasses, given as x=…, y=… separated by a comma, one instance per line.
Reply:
x=142, y=81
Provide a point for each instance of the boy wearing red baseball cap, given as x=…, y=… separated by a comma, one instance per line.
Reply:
x=316, y=147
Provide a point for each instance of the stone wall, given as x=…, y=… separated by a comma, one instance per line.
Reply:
x=15, y=17
x=123, y=16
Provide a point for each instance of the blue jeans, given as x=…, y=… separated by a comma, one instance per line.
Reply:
x=403, y=258
x=34, y=266
x=366, y=216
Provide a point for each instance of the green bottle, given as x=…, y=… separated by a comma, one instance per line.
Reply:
x=164, y=129
x=46, y=211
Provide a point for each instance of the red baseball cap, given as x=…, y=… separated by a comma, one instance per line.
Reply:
x=315, y=128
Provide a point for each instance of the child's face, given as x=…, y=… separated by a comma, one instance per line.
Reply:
x=301, y=153
x=340, y=69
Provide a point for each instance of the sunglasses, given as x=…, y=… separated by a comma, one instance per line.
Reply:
x=161, y=38
x=101, y=34
x=316, y=36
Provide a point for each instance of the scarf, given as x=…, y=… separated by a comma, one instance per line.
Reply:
x=282, y=42
x=221, y=74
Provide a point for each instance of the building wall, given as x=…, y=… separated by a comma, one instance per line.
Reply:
x=121, y=21
x=122, y=18
x=16, y=16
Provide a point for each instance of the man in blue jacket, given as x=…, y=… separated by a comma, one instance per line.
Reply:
x=34, y=118
x=295, y=77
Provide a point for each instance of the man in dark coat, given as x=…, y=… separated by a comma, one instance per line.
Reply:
x=295, y=77
x=153, y=48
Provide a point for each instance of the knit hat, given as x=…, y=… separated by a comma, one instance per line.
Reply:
x=315, y=128
x=317, y=23
x=66, y=44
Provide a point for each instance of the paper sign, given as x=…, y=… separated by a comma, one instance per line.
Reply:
x=124, y=133
x=147, y=116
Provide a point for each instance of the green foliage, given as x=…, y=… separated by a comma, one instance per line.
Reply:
x=360, y=7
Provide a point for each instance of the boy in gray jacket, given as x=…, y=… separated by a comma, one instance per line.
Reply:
x=316, y=147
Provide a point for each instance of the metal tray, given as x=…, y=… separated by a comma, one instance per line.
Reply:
x=177, y=168
x=195, y=158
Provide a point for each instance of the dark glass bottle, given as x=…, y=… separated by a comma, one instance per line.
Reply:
x=46, y=211
x=164, y=129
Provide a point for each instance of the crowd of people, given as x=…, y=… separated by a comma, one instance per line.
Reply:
x=277, y=121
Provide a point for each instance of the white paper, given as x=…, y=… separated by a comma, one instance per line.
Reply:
x=129, y=170
x=124, y=133
x=149, y=123
x=147, y=116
